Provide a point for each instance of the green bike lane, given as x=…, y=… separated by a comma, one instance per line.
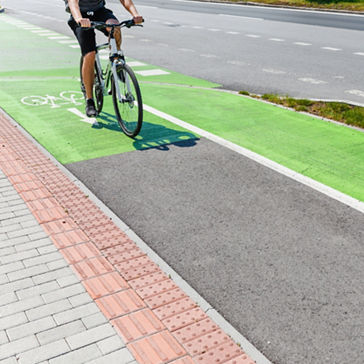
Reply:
x=260, y=248
x=329, y=153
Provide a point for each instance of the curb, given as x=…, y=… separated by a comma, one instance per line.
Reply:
x=250, y=3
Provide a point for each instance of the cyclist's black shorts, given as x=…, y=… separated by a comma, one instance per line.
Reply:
x=86, y=37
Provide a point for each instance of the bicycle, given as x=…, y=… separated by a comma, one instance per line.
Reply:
x=124, y=87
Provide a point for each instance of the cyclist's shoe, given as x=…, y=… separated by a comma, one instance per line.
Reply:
x=90, y=108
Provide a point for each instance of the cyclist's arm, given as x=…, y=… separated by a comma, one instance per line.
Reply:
x=76, y=13
x=130, y=7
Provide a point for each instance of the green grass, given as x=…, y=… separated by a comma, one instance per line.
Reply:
x=352, y=5
x=338, y=111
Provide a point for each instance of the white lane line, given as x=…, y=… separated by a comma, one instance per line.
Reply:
x=237, y=63
x=339, y=77
x=355, y=92
x=186, y=50
x=67, y=41
x=277, y=39
x=252, y=35
x=197, y=27
x=273, y=71
x=359, y=53
x=241, y=17
x=304, y=44
x=147, y=6
x=331, y=49
x=328, y=191
x=162, y=44
x=104, y=57
x=48, y=34
x=40, y=31
x=312, y=81
x=155, y=72
x=59, y=37
x=208, y=55
x=74, y=46
x=128, y=36
x=234, y=33
x=214, y=30
x=145, y=40
x=136, y=64
x=155, y=21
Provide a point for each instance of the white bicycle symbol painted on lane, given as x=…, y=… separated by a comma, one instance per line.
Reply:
x=64, y=98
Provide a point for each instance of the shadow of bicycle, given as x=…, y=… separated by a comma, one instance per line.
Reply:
x=152, y=135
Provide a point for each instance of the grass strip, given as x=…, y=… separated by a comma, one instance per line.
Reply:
x=337, y=111
x=350, y=5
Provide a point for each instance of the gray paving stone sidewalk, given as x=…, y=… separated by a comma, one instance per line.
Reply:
x=46, y=316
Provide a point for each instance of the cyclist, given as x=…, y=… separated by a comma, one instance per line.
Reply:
x=82, y=13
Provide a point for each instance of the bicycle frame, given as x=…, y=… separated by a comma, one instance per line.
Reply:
x=114, y=60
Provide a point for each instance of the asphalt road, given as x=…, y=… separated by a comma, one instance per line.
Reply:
x=280, y=261
x=261, y=50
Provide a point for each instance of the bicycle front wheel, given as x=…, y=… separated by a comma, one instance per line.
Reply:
x=128, y=104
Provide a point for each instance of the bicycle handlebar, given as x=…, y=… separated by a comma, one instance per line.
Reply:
x=126, y=23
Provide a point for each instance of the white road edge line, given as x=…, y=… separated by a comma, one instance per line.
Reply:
x=241, y=16
x=328, y=191
x=253, y=352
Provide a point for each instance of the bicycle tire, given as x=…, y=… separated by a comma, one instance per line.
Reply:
x=129, y=113
x=97, y=88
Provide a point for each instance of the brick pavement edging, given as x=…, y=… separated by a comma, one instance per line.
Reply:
x=156, y=319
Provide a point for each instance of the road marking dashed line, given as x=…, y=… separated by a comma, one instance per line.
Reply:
x=277, y=39
x=208, y=55
x=252, y=35
x=154, y=72
x=186, y=50
x=302, y=44
x=331, y=49
x=273, y=71
x=355, y=92
x=312, y=80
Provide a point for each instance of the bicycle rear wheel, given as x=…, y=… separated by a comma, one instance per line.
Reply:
x=128, y=110
x=97, y=88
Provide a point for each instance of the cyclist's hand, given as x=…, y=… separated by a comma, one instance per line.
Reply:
x=138, y=19
x=84, y=22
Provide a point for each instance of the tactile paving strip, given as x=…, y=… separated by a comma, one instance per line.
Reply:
x=159, y=323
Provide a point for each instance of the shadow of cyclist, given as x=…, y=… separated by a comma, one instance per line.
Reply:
x=151, y=135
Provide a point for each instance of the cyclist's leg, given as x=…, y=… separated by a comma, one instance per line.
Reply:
x=88, y=73
x=87, y=40
x=106, y=15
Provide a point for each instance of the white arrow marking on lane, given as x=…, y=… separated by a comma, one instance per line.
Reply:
x=83, y=117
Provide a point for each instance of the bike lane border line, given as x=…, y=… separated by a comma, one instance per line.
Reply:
x=320, y=187
x=20, y=148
